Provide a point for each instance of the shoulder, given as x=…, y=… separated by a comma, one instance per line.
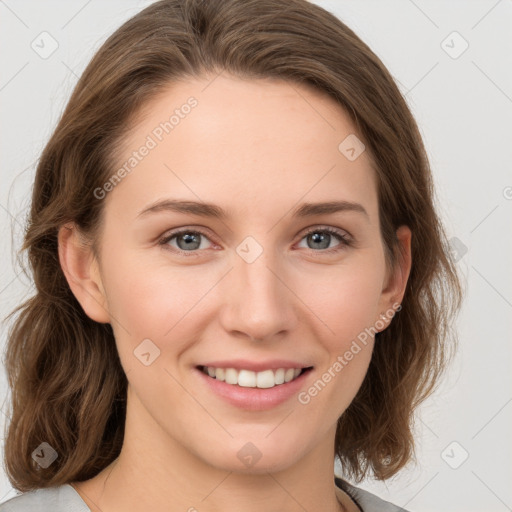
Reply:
x=366, y=501
x=52, y=499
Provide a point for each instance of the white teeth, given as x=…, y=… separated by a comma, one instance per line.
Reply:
x=230, y=376
x=289, y=374
x=279, y=376
x=247, y=379
x=265, y=379
x=250, y=379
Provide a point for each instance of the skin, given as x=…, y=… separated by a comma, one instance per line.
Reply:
x=256, y=148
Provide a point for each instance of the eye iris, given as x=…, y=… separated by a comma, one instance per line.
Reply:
x=320, y=237
x=190, y=240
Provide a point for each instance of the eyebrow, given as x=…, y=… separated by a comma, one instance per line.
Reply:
x=211, y=210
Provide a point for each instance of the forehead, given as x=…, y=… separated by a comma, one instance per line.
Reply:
x=243, y=142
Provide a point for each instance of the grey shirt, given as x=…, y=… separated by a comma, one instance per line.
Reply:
x=64, y=498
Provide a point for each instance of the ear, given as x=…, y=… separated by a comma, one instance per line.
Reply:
x=396, y=280
x=81, y=269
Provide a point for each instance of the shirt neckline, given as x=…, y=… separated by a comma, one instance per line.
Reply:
x=348, y=490
x=340, y=485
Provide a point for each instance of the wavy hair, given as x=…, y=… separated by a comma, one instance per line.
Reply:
x=68, y=386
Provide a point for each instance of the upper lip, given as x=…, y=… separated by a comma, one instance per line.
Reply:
x=256, y=366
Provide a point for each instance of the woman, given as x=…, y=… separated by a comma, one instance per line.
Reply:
x=240, y=272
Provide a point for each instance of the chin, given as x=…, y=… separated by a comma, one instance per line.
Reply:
x=248, y=457
x=261, y=467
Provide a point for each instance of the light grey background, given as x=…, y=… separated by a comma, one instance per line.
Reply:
x=463, y=104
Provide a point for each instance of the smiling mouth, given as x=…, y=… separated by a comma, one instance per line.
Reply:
x=250, y=379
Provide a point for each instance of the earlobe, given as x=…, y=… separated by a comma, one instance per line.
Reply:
x=81, y=270
x=394, y=291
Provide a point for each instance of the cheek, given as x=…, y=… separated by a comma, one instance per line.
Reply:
x=347, y=303
x=347, y=306
x=153, y=301
x=348, y=342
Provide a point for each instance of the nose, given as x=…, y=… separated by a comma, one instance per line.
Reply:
x=259, y=303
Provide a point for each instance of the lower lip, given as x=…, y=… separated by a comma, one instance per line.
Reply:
x=254, y=399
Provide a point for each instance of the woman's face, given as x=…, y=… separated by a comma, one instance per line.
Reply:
x=275, y=282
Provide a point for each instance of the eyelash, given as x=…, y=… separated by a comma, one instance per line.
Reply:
x=345, y=240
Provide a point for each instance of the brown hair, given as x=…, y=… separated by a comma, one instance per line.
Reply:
x=68, y=386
